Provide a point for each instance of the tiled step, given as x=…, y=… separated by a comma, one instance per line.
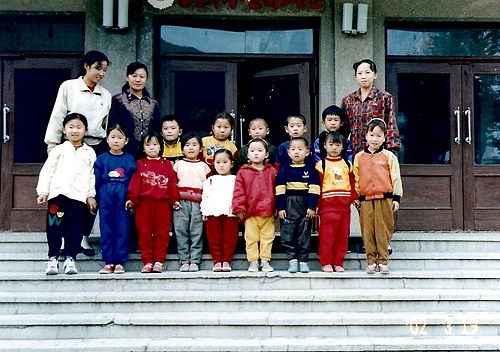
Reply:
x=232, y=325
x=453, y=342
x=339, y=300
x=242, y=280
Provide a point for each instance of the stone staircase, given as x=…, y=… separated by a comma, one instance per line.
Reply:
x=443, y=294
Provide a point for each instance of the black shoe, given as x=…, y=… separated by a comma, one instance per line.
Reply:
x=89, y=252
x=363, y=249
x=390, y=249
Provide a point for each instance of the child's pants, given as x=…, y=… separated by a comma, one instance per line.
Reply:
x=377, y=226
x=296, y=229
x=333, y=237
x=222, y=234
x=259, y=229
x=152, y=219
x=114, y=223
x=188, y=224
x=65, y=219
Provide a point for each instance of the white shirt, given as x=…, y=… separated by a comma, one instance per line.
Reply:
x=75, y=96
x=217, y=196
x=69, y=172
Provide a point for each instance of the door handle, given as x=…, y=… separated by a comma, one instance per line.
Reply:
x=5, y=110
x=457, y=115
x=233, y=115
x=467, y=113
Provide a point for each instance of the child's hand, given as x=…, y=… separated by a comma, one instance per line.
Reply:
x=240, y=215
x=395, y=206
x=177, y=205
x=357, y=204
x=129, y=205
x=92, y=204
x=42, y=198
x=205, y=218
x=310, y=213
x=282, y=214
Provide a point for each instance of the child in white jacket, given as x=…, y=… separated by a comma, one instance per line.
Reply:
x=216, y=208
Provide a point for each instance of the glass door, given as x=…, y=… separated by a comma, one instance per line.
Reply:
x=449, y=122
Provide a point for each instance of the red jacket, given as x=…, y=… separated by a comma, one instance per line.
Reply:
x=254, y=191
x=153, y=178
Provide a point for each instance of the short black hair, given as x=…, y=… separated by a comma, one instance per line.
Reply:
x=186, y=137
x=372, y=64
x=76, y=116
x=302, y=139
x=170, y=118
x=297, y=116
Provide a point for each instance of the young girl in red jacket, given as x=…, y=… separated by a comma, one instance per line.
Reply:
x=254, y=204
x=152, y=192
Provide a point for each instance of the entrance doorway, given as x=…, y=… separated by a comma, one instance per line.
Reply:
x=449, y=120
x=28, y=91
x=195, y=91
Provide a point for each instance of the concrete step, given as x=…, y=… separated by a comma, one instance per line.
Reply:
x=232, y=325
x=242, y=280
x=339, y=300
x=36, y=262
x=453, y=342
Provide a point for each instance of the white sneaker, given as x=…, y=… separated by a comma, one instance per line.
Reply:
x=69, y=266
x=52, y=266
x=264, y=264
x=253, y=267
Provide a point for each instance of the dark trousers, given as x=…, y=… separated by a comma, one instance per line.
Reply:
x=296, y=229
x=65, y=219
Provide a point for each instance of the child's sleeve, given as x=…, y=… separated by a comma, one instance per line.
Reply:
x=92, y=192
x=397, y=184
x=134, y=188
x=239, y=199
x=281, y=189
x=47, y=172
x=356, y=172
x=205, y=195
x=172, y=175
x=352, y=182
x=314, y=189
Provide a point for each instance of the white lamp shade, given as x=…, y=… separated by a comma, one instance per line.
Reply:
x=122, y=14
x=107, y=13
x=347, y=17
x=362, y=18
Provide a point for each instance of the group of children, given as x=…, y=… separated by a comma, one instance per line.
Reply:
x=189, y=179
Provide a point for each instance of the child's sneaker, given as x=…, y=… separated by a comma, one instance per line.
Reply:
x=304, y=268
x=119, y=269
x=226, y=267
x=52, y=266
x=338, y=269
x=69, y=266
x=193, y=267
x=327, y=268
x=371, y=268
x=293, y=266
x=253, y=267
x=184, y=267
x=264, y=264
x=147, y=268
x=384, y=268
x=157, y=268
x=217, y=267
x=107, y=269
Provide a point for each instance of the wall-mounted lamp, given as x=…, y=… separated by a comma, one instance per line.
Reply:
x=115, y=14
x=348, y=15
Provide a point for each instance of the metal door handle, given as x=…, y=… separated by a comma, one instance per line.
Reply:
x=467, y=113
x=233, y=115
x=5, y=110
x=457, y=115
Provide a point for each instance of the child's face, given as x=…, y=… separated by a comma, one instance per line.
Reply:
x=332, y=123
x=295, y=127
x=116, y=141
x=223, y=164
x=258, y=129
x=152, y=148
x=221, y=129
x=74, y=131
x=297, y=150
x=192, y=149
x=170, y=131
x=256, y=153
x=333, y=149
x=375, y=138
x=365, y=76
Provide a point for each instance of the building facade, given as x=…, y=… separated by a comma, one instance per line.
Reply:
x=269, y=58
